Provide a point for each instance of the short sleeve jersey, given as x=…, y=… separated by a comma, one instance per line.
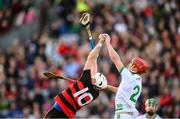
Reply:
x=77, y=95
x=128, y=91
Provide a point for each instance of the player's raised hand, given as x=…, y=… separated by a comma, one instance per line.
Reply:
x=102, y=38
x=108, y=38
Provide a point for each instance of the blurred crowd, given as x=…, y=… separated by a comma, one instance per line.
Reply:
x=146, y=28
x=15, y=13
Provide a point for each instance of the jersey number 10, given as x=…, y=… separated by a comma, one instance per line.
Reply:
x=82, y=94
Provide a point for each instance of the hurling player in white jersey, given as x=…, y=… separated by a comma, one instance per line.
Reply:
x=130, y=87
x=151, y=108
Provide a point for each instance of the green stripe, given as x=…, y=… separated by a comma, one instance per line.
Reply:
x=121, y=69
x=119, y=107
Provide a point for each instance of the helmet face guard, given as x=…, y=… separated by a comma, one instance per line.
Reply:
x=101, y=81
x=141, y=65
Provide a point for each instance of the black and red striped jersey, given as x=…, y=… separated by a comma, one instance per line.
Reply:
x=77, y=95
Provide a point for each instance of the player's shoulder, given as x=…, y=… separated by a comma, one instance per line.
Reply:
x=124, y=71
x=86, y=71
x=127, y=73
x=86, y=76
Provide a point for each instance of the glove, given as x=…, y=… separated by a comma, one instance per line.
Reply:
x=101, y=81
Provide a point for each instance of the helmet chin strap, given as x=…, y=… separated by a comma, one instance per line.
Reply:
x=131, y=68
x=133, y=71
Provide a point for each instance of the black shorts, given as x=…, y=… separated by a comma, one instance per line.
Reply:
x=54, y=113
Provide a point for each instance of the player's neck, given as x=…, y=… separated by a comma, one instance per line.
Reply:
x=132, y=71
x=132, y=68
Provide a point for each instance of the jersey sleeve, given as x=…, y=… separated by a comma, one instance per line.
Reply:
x=86, y=76
x=125, y=73
x=120, y=70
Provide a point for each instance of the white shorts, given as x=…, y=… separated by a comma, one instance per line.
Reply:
x=123, y=116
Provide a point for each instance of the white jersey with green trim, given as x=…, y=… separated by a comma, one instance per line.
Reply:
x=128, y=92
x=144, y=116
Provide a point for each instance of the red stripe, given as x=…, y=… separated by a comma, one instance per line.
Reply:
x=69, y=99
x=65, y=109
x=80, y=85
x=74, y=91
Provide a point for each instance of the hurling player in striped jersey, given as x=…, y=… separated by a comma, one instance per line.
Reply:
x=83, y=91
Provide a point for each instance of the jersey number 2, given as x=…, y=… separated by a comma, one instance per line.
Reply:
x=136, y=92
x=82, y=94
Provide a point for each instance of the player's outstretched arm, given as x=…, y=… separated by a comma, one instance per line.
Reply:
x=113, y=54
x=111, y=88
x=91, y=62
x=95, y=52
